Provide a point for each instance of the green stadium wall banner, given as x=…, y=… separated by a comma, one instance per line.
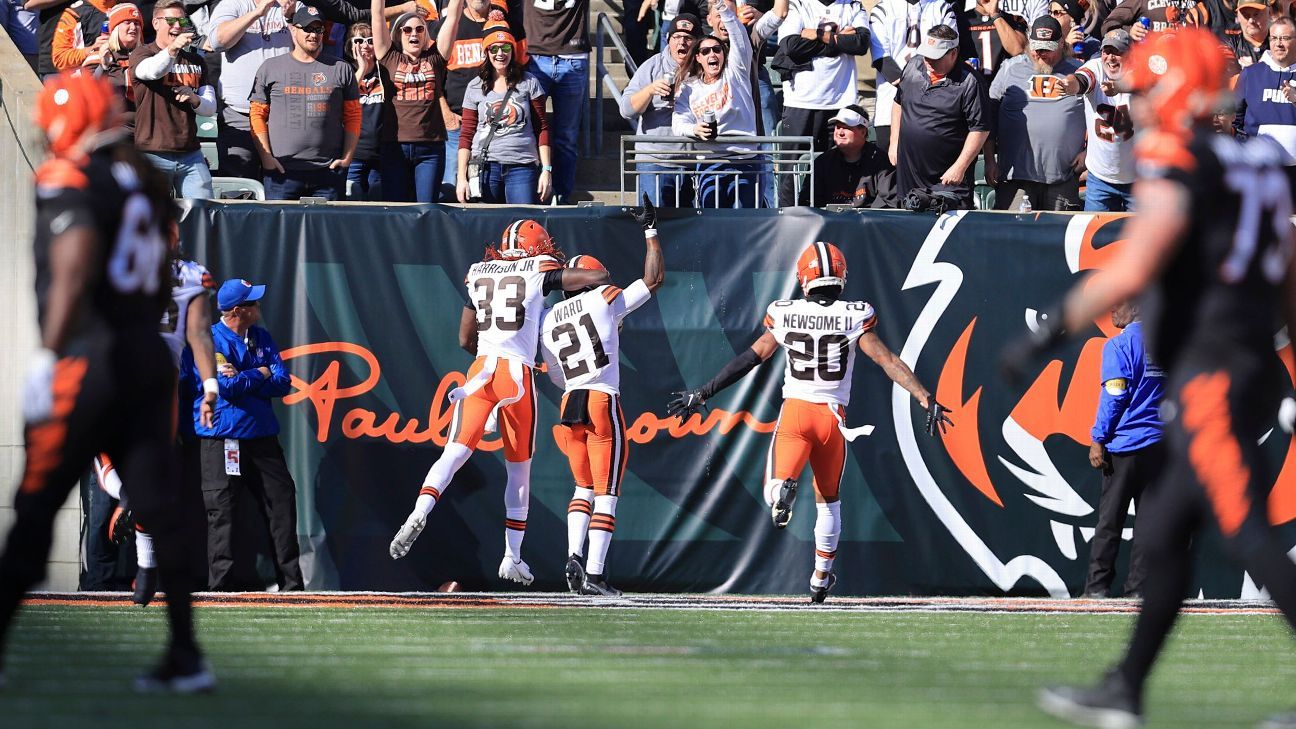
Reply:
x=365, y=302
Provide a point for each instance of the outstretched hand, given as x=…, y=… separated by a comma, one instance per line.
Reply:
x=645, y=216
x=937, y=421
x=685, y=404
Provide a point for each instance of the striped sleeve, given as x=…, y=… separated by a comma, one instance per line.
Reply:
x=610, y=294
x=869, y=321
x=549, y=265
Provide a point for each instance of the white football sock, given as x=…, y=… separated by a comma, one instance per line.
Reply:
x=438, y=477
x=827, y=529
x=144, y=556
x=600, y=533
x=517, y=499
x=578, y=519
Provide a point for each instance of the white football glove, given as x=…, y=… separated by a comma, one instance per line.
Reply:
x=38, y=389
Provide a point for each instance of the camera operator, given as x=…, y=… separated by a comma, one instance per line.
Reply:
x=171, y=91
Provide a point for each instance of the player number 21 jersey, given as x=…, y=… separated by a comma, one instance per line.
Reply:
x=509, y=299
x=580, y=337
x=820, y=341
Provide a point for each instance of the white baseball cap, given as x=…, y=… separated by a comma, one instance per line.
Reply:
x=851, y=116
x=936, y=48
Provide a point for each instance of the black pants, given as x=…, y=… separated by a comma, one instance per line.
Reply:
x=235, y=149
x=266, y=480
x=1215, y=476
x=113, y=393
x=1130, y=474
x=804, y=123
x=1063, y=195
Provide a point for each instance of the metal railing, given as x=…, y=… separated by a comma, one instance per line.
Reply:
x=603, y=29
x=779, y=158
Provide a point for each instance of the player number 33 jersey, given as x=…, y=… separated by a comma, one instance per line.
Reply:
x=509, y=299
x=580, y=337
x=821, y=341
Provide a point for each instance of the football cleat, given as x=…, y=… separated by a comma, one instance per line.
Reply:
x=121, y=525
x=784, y=497
x=817, y=594
x=575, y=574
x=146, y=585
x=1111, y=704
x=516, y=570
x=596, y=585
x=177, y=677
x=404, y=539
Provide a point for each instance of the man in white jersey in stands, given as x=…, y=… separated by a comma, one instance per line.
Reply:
x=580, y=340
x=501, y=329
x=820, y=333
x=1110, y=157
x=186, y=328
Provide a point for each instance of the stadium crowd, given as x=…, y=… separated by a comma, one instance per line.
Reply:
x=1000, y=103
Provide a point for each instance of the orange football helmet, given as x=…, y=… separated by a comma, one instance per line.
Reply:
x=524, y=239
x=589, y=263
x=821, y=264
x=1182, y=73
x=73, y=104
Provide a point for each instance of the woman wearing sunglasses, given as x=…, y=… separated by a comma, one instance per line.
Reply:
x=717, y=84
x=412, y=156
x=504, y=131
x=364, y=178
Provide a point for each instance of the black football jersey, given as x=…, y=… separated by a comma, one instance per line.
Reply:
x=1219, y=294
x=984, y=41
x=115, y=193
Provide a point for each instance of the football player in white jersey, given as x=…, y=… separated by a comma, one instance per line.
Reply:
x=820, y=334
x=186, y=328
x=501, y=329
x=580, y=340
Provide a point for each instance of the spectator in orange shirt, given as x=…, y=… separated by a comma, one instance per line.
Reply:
x=81, y=38
x=305, y=115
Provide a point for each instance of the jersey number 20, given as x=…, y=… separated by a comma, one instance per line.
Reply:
x=825, y=357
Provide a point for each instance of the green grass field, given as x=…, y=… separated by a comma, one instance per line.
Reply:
x=591, y=667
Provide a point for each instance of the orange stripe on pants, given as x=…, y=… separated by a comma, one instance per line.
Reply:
x=807, y=431
x=516, y=421
x=1213, y=449
x=597, y=453
x=45, y=440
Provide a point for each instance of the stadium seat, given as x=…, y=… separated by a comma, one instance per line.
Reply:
x=984, y=197
x=210, y=154
x=237, y=188
x=206, y=127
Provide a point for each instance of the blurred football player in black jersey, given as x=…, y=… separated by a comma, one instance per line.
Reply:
x=103, y=380
x=1211, y=252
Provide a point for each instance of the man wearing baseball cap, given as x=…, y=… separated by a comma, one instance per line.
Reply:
x=1110, y=155
x=1253, y=20
x=649, y=102
x=240, y=452
x=1040, y=146
x=1265, y=93
x=854, y=172
x=940, y=119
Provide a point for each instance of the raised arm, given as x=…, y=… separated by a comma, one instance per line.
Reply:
x=654, y=273
x=449, y=30
x=381, y=31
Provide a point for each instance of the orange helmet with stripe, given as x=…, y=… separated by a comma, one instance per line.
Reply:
x=821, y=264
x=587, y=262
x=72, y=105
x=1182, y=73
x=524, y=239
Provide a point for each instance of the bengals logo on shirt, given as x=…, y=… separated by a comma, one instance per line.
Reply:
x=1046, y=87
x=511, y=119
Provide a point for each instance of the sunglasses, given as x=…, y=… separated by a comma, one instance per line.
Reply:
x=358, y=41
x=708, y=50
x=412, y=29
x=499, y=48
x=177, y=21
x=313, y=29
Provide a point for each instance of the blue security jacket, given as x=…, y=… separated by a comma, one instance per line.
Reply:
x=244, y=408
x=1128, y=418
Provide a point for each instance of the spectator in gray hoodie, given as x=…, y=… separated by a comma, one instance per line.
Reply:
x=649, y=102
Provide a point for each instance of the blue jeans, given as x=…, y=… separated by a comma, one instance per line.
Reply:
x=733, y=184
x=297, y=184
x=771, y=110
x=412, y=171
x=451, y=175
x=1102, y=196
x=667, y=187
x=365, y=180
x=186, y=171
x=566, y=81
x=512, y=184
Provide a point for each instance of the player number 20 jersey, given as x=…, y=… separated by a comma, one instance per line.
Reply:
x=580, y=337
x=820, y=341
x=509, y=299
